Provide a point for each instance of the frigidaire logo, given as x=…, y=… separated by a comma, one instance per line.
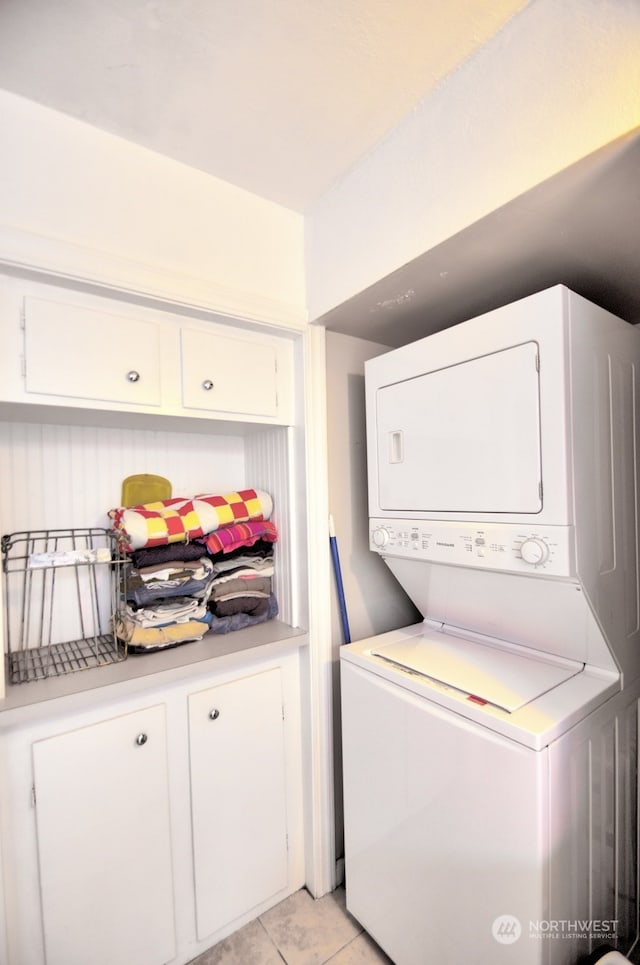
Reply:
x=506, y=929
x=450, y=545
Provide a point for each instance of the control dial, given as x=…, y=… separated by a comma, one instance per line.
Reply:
x=380, y=536
x=534, y=551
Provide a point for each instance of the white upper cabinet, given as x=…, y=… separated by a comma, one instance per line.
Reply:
x=84, y=352
x=63, y=347
x=228, y=374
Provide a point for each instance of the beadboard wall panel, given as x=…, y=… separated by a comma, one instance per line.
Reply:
x=63, y=476
x=267, y=465
x=60, y=476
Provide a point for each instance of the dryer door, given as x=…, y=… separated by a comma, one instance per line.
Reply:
x=463, y=439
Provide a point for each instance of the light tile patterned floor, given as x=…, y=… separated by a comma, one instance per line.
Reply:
x=299, y=931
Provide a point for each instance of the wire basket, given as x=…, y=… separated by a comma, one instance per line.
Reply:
x=63, y=588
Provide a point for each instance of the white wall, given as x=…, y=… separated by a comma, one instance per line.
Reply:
x=375, y=600
x=559, y=81
x=85, y=203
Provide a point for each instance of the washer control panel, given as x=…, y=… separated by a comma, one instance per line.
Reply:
x=509, y=547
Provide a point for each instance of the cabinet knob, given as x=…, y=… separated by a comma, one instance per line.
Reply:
x=214, y=714
x=133, y=376
x=207, y=385
x=141, y=739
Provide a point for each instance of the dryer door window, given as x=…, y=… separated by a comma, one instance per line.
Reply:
x=463, y=439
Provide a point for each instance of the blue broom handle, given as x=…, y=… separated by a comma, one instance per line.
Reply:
x=346, y=634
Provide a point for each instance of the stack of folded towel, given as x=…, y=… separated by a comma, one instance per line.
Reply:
x=201, y=564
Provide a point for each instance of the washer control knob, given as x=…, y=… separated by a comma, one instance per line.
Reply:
x=534, y=551
x=380, y=536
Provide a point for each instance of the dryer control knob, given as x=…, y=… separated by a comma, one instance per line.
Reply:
x=534, y=551
x=380, y=537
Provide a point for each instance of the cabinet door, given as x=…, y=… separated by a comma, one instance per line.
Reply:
x=225, y=374
x=237, y=797
x=104, y=850
x=90, y=353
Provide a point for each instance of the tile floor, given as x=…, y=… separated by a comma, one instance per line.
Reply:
x=299, y=931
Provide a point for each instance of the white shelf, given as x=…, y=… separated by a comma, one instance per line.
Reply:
x=140, y=671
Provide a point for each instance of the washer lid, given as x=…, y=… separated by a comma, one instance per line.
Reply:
x=506, y=678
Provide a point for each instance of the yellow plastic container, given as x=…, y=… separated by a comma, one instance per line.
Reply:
x=144, y=488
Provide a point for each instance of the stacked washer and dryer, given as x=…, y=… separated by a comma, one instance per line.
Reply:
x=491, y=751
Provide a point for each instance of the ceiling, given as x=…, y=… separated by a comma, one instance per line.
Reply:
x=280, y=97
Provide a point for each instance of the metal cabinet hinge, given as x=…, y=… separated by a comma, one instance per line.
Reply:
x=33, y=795
x=540, y=490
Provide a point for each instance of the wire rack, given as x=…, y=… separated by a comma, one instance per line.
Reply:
x=63, y=588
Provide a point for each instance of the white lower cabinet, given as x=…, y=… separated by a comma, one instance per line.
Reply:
x=238, y=797
x=141, y=830
x=104, y=842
